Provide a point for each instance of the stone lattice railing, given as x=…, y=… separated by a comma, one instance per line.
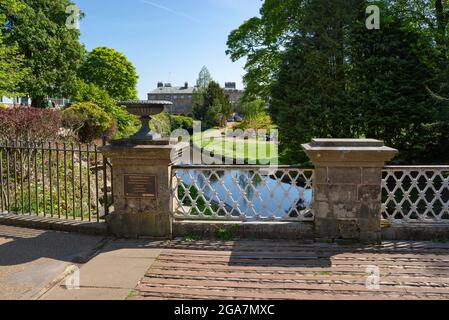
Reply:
x=415, y=194
x=242, y=193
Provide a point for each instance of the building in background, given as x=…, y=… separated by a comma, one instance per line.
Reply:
x=233, y=93
x=26, y=102
x=16, y=101
x=181, y=97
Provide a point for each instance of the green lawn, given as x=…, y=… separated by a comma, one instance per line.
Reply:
x=251, y=150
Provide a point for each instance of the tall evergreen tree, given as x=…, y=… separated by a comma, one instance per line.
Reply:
x=388, y=89
x=204, y=78
x=211, y=110
x=309, y=92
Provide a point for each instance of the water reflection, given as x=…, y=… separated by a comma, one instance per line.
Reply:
x=250, y=192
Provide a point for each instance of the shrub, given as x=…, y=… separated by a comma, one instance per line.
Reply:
x=88, y=121
x=3, y=106
x=160, y=123
x=181, y=122
x=127, y=124
x=29, y=124
x=259, y=122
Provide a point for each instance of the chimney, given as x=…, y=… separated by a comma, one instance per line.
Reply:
x=186, y=85
x=230, y=85
x=160, y=84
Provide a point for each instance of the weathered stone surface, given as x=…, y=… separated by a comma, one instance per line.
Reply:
x=320, y=176
x=46, y=223
x=345, y=176
x=371, y=176
x=145, y=216
x=417, y=232
x=347, y=191
x=367, y=193
x=336, y=192
x=244, y=230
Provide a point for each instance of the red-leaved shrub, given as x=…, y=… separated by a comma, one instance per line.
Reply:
x=29, y=124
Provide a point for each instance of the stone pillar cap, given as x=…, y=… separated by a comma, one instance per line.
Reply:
x=349, y=151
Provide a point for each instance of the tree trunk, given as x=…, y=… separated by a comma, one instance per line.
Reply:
x=38, y=102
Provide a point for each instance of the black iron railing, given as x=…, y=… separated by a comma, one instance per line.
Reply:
x=51, y=179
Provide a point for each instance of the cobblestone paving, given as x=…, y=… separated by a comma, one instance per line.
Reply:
x=291, y=270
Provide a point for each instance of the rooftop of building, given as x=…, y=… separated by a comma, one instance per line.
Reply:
x=167, y=88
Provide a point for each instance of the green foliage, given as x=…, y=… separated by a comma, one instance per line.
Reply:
x=12, y=69
x=389, y=96
x=338, y=79
x=111, y=71
x=88, y=120
x=254, y=115
x=260, y=121
x=260, y=40
x=161, y=123
x=191, y=238
x=200, y=202
x=204, y=78
x=227, y=234
x=53, y=201
x=214, y=107
x=181, y=122
x=51, y=51
x=126, y=123
x=252, y=108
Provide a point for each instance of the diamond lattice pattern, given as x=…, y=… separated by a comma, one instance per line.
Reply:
x=418, y=194
x=242, y=193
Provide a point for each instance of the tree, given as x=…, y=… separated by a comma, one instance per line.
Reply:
x=126, y=123
x=388, y=91
x=111, y=71
x=339, y=79
x=87, y=120
x=204, y=78
x=225, y=110
x=260, y=40
x=12, y=69
x=213, y=105
x=309, y=92
x=52, y=51
x=251, y=109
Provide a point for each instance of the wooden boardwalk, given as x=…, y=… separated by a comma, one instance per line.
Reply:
x=291, y=270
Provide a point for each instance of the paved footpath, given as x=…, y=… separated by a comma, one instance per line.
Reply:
x=290, y=270
x=32, y=265
x=31, y=259
x=112, y=274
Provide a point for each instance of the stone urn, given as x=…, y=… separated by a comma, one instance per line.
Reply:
x=144, y=109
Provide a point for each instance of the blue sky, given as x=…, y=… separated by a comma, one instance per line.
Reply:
x=168, y=40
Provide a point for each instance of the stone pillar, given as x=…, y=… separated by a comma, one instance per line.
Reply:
x=142, y=189
x=347, y=187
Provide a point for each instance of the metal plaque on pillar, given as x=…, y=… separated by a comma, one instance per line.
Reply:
x=140, y=186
